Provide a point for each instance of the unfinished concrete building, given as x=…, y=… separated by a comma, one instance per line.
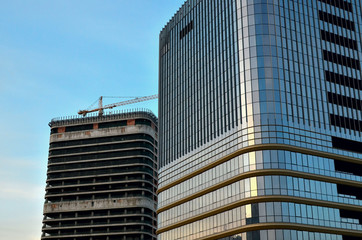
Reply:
x=102, y=178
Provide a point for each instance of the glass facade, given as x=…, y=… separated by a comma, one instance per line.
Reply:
x=260, y=107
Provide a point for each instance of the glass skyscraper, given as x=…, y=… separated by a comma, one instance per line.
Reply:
x=260, y=119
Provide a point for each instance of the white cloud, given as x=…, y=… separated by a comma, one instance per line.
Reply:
x=20, y=206
x=30, y=228
x=21, y=190
x=19, y=179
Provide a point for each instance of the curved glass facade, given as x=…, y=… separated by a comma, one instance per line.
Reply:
x=261, y=120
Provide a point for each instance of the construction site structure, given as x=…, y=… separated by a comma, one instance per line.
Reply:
x=102, y=178
x=101, y=108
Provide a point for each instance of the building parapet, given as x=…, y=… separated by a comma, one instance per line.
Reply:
x=114, y=115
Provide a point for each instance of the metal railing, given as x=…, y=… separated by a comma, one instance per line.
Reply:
x=113, y=115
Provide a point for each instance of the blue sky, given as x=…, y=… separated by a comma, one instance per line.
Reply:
x=57, y=57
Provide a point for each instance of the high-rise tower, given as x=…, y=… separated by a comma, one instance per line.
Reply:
x=102, y=178
x=260, y=114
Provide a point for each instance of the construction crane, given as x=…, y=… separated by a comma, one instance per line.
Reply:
x=112, y=105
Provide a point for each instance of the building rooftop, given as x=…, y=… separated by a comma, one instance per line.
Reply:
x=94, y=117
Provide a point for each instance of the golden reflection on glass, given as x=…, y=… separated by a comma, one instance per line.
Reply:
x=248, y=211
x=252, y=161
x=254, y=187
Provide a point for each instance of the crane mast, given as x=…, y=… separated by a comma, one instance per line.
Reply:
x=112, y=105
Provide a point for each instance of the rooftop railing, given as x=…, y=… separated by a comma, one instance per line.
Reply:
x=113, y=115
